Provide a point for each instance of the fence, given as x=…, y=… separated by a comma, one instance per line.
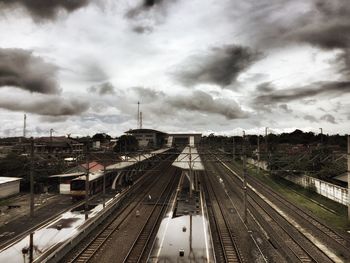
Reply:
x=331, y=191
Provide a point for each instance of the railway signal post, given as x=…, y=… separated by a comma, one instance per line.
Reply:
x=244, y=178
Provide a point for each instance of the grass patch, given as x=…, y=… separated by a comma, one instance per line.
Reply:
x=329, y=211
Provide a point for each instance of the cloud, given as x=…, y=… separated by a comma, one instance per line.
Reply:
x=272, y=96
x=220, y=66
x=145, y=6
x=44, y=9
x=45, y=105
x=148, y=95
x=285, y=108
x=21, y=69
x=310, y=118
x=200, y=101
x=328, y=118
x=103, y=89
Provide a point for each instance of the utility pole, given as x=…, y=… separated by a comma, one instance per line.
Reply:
x=87, y=186
x=104, y=185
x=31, y=175
x=233, y=148
x=244, y=178
x=348, y=155
x=138, y=114
x=258, y=167
x=24, y=125
x=267, y=148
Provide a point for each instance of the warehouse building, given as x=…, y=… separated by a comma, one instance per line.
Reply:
x=9, y=186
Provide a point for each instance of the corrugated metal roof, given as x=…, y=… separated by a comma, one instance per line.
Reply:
x=4, y=180
x=189, y=158
x=68, y=175
x=132, y=160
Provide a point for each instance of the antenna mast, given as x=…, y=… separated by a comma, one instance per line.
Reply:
x=141, y=120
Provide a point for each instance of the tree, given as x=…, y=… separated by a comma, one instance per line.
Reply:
x=126, y=143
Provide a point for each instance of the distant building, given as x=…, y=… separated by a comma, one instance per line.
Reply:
x=148, y=138
x=9, y=186
x=183, y=139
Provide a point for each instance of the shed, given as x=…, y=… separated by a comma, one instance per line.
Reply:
x=9, y=186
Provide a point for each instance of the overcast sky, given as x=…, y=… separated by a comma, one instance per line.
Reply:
x=81, y=66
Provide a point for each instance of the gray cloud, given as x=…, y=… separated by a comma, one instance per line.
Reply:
x=19, y=68
x=285, y=108
x=221, y=66
x=45, y=9
x=103, y=89
x=202, y=102
x=328, y=118
x=272, y=96
x=145, y=6
x=310, y=118
x=147, y=95
x=45, y=105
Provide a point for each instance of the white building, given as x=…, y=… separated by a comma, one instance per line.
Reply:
x=9, y=186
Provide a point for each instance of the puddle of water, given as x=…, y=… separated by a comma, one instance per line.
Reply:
x=50, y=236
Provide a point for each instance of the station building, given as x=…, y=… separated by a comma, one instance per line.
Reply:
x=148, y=138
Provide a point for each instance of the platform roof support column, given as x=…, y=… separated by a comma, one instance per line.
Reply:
x=190, y=173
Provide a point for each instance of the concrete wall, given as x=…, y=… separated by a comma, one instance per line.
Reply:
x=8, y=189
x=331, y=191
x=262, y=164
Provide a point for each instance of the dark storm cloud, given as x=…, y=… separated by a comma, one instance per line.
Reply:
x=20, y=68
x=44, y=9
x=145, y=6
x=310, y=118
x=45, y=105
x=334, y=88
x=103, y=89
x=142, y=29
x=221, y=66
x=203, y=102
x=328, y=118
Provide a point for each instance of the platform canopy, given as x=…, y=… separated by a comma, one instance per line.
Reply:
x=4, y=180
x=135, y=159
x=189, y=159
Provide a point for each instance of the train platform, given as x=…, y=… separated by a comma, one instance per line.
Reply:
x=184, y=234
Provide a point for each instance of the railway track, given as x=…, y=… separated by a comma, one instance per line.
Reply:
x=334, y=239
x=141, y=193
x=138, y=249
x=331, y=237
x=227, y=250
